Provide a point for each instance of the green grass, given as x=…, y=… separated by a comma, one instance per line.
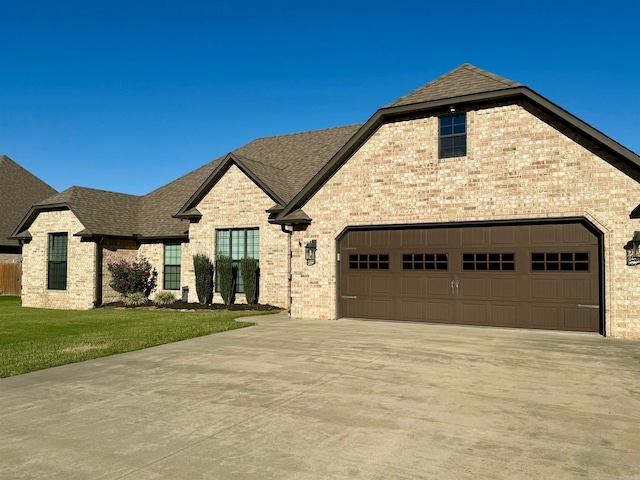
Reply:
x=34, y=338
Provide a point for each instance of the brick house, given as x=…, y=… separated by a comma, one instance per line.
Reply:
x=471, y=200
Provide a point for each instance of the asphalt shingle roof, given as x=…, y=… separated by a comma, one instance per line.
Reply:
x=19, y=189
x=464, y=80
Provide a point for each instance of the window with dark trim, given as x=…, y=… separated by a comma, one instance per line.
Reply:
x=238, y=243
x=452, y=138
x=560, y=262
x=369, y=261
x=57, y=261
x=172, y=266
x=425, y=261
x=489, y=261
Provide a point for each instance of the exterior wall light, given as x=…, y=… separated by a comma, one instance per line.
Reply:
x=633, y=250
x=310, y=252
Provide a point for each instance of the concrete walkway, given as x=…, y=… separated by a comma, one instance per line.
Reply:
x=348, y=399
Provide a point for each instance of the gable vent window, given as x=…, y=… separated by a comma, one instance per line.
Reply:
x=452, y=140
x=57, y=261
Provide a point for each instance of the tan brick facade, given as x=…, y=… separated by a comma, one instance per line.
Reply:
x=236, y=202
x=517, y=167
x=80, y=265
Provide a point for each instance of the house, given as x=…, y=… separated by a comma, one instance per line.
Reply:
x=19, y=189
x=471, y=200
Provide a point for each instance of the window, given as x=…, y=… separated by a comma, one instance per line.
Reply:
x=172, y=256
x=57, y=262
x=371, y=261
x=489, y=261
x=238, y=244
x=453, y=136
x=563, y=262
x=425, y=261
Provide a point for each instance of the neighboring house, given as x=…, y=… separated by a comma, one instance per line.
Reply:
x=471, y=200
x=19, y=190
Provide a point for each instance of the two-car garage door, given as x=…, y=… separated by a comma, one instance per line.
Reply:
x=530, y=276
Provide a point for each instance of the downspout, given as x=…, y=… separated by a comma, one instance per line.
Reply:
x=289, y=275
x=97, y=288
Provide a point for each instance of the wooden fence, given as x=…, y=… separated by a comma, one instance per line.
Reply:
x=10, y=278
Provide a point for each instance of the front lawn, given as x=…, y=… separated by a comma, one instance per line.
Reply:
x=33, y=338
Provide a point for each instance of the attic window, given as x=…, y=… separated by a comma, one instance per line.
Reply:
x=452, y=141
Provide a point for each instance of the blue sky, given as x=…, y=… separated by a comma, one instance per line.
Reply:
x=129, y=95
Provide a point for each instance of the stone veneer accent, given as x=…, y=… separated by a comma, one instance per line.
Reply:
x=236, y=202
x=80, y=265
x=517, y=167
x=10, y=257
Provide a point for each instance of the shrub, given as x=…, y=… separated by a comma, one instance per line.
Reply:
x=164, y=298
x=226, y=285
x=135, y=299
x=137, y=276
x=249, y=271
x=204, y=278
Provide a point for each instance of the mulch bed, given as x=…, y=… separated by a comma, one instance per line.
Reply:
x=180, y=305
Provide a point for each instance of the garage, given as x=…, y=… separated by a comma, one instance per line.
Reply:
x=538, y=275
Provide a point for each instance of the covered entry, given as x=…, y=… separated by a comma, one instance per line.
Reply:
x=527, y=275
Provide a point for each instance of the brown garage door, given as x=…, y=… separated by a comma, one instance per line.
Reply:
x=528, y=276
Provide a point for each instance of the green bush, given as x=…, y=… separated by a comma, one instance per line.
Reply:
x=204, y=278
x=135, y=299
x=137, y=276
x=226, y=284
x=249, y=271
x=164, y=298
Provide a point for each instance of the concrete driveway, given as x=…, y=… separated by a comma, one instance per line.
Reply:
x=294, y=399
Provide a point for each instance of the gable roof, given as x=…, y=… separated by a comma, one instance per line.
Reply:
x=464, y=80
x=290, y=169
x=104, y=213
x=465, y=88
x=20, y=189
x=280, y=165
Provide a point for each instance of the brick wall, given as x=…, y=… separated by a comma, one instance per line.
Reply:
x=516, y=166
x=80, y=265
x=236, y=202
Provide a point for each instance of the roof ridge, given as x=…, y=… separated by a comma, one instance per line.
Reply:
x=487, y=74
x=303, y=132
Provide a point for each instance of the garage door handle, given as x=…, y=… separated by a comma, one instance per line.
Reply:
x=348, y=296
x=587, y=306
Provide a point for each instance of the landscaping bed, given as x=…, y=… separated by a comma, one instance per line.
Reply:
x=180, y=305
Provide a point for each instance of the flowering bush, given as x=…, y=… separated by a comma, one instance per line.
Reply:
x=137, y=276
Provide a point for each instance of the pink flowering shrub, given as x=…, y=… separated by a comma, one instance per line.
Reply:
x=137, y=276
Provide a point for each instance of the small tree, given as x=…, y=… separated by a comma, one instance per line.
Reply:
x=137, y=276
x=249, y=271
x=226, y=285
x=204, y=278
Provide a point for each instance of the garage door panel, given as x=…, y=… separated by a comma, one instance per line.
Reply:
x=380, y=285
x=411, y=286
x=529, y=276
x=544, y=289
x=437, y=287
x=474, y=287
x=578, y=290
x=357, y=285
x=411, y=310
x=503, y=288
x=439, y=312
x=380, y=308
x=577, y=318
x=474, y=314
x=356, y=308
x=505, y=316
x=544, y=317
